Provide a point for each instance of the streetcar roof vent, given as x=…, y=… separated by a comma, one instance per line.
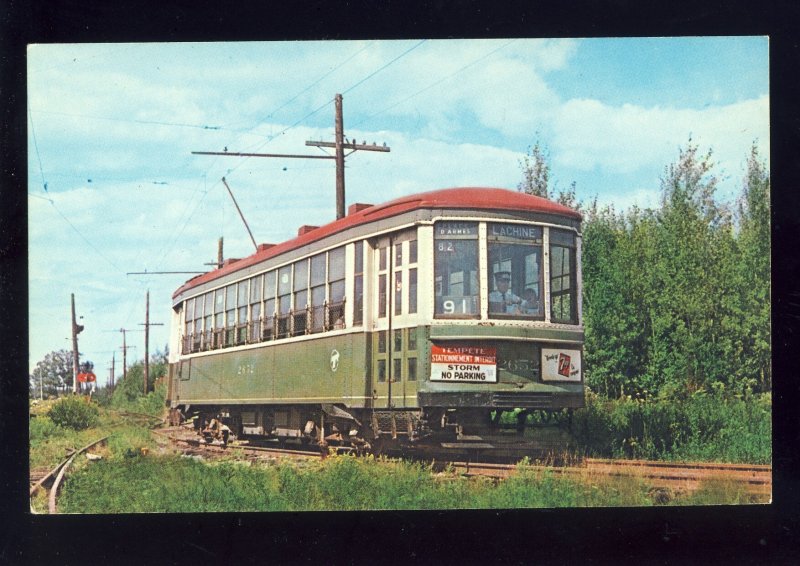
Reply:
x=263, y=247
x=230, y=260
x=357, y=207
x=305, y=229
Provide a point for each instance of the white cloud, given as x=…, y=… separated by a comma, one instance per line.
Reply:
x=469, y=128
x=591, y=135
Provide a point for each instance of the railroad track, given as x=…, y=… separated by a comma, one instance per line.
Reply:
x=51, y=480
x=194, y=445
x=756, y=479
x=673, y=476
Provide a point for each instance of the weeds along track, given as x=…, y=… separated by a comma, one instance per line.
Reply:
x=755, y=480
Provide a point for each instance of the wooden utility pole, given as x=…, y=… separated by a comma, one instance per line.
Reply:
x=124, y=349
x=220, y=258
x=147, y=325
x=339, y=145
x=113, y=360
x=76, y=329
x=339, y=141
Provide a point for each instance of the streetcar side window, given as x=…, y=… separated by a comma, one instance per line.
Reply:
x=300, y=316
x=243, y=292
x=188, y=312
x=456, y=269
x=208, y=299
x=256, y=284
x=269, y=305
x=318, y=277
x=230, y=313
x=358, y=284
x=515, y=270
x=563, y=277
x=336, y=275
x=284, y=300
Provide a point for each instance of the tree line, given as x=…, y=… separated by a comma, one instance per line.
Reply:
x=52, y=376
x=676, y=298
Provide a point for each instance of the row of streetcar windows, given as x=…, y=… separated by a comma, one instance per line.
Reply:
x=305, y=297
x=515, y=272
x=308, y=296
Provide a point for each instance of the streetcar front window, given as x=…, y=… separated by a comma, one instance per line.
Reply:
x=563, y=277
x=515, y=270
x=456, y=269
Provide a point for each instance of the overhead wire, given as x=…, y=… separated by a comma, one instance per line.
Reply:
x=403, y=54
x=261, y=144
x=433, y=84
x=130, y=120
x=53, y=204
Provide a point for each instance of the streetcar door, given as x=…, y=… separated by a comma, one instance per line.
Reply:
x=381, y=356
x=394, y=342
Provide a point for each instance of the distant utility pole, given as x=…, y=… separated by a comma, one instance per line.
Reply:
x=218, y=265
x=339, y=145
x=113, y=360
x=124, y=349
x=147, y=324
x=76, y=329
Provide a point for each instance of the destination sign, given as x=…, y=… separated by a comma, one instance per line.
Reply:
x=463, y=364
x=455, y=229
x=516, y=232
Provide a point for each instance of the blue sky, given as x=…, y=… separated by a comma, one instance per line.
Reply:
x=111, y=128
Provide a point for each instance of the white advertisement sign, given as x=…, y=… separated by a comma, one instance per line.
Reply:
x=561, y=365
x=463, y=364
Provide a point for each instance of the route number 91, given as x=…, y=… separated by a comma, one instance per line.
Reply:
x=457, y=307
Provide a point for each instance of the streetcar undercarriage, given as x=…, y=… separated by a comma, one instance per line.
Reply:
x=402, y=431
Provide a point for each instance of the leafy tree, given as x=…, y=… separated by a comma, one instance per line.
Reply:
x=676, y=299
x=131, y=388
x=697, y=254
x=51, y=373
x=754, y=271
x=536, y=171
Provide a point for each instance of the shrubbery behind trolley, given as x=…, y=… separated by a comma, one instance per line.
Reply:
x=419, y=320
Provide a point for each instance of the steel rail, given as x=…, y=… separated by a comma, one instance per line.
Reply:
x=60, y=472
x=756, y=477
x=245, y=448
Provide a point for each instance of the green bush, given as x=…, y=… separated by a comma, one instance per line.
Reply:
x=709, y=427
x=74, y=412
x=41, y=428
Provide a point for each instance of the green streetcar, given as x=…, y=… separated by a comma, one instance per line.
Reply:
x=415, y=322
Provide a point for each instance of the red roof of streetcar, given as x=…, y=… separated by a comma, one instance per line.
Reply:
x=465, y=197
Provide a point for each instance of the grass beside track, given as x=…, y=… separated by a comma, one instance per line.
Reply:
x=136, y=475
x=167, y=484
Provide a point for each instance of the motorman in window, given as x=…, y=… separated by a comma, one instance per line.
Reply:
x=502, y=300
x=530, y=303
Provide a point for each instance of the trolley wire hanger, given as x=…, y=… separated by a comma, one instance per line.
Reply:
x=340, y=144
